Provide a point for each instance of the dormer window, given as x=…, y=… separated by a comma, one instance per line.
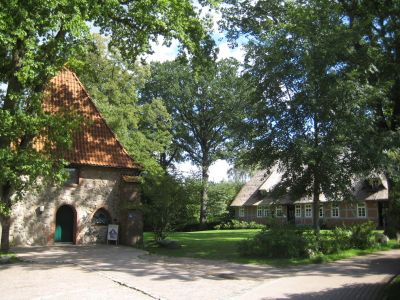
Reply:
x=374, y=183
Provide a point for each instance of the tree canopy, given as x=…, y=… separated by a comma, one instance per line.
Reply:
x=203, y=103
x=309, y=110
x=38, y=37
x=144, y=129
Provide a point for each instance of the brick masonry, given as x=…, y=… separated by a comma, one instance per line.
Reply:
x=347, y=215
x=98, y=188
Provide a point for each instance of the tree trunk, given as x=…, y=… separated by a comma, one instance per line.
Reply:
x=393, y=210
x=204, y=195
x=5, y=218
x=316, y=192
x=5, y=233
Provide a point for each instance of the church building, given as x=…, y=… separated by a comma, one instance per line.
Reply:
x=102, y=188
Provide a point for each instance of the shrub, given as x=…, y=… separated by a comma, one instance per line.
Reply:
x=285, y=241
x=359, y=236
x=340, y=239
x=362, y=235
x=279, y=242
x=236, y=224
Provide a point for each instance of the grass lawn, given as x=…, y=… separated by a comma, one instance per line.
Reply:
x=210, y=244
x=222, y=245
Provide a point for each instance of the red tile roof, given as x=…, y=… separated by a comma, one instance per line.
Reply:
x=95, y=144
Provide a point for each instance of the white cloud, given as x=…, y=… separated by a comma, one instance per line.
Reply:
x=186, y=168
x=218, y=171
x=162, y=53
x=225, y=52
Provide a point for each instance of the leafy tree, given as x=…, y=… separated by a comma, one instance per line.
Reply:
x=307, y=111
x=37, y=38
x=375, y=58
x=164, y=199
x=221, y=195
x=144, y=129
x=203, y=103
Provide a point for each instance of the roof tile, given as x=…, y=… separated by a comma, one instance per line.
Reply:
x=95, y=144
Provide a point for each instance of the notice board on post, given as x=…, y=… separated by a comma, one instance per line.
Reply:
x=112, y=233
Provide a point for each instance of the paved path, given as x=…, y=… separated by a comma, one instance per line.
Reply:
x=44, y=281
x=153, y=277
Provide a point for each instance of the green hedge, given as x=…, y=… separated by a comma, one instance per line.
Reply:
x=287, y=241
x=236, y=224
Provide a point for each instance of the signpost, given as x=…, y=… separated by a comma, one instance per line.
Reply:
x=112, y=233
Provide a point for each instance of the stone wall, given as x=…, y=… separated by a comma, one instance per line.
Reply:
x=97, y=188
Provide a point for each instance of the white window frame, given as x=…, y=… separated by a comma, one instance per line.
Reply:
x=308, y=211
x=259, y=211
x=335, y=208
x=361, y=207
x=262, y=211
x=241, y=212
x=321, y=211
x=297, y=211
x=279, y=208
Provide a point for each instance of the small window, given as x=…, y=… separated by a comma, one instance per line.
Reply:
x=278, y=211
x=298, y=211
x=361, y=210
x=260, y=211
x=101, y=217
x=335, y=211
x=72, y=176
x=266, y=212
x=308, y=211
x=321, y=211
x=241, y=211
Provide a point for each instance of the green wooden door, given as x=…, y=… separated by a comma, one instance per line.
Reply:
x=64, y=224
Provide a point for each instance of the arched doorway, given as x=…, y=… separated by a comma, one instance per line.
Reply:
x=65, y=218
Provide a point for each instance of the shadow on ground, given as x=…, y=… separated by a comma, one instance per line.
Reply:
x=370, y=291
x=157, y=275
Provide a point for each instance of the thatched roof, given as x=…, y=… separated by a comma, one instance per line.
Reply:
x=253, y=192
x=365, y=192
x=249, y=194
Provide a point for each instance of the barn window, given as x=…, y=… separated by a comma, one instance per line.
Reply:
x=241, y=212
x=259, y=211
x=101, y=217
x=361, y=210
x=278, y=211
x=308, y=211
x=298, y=211
x=262, y=211
x=335, y=210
